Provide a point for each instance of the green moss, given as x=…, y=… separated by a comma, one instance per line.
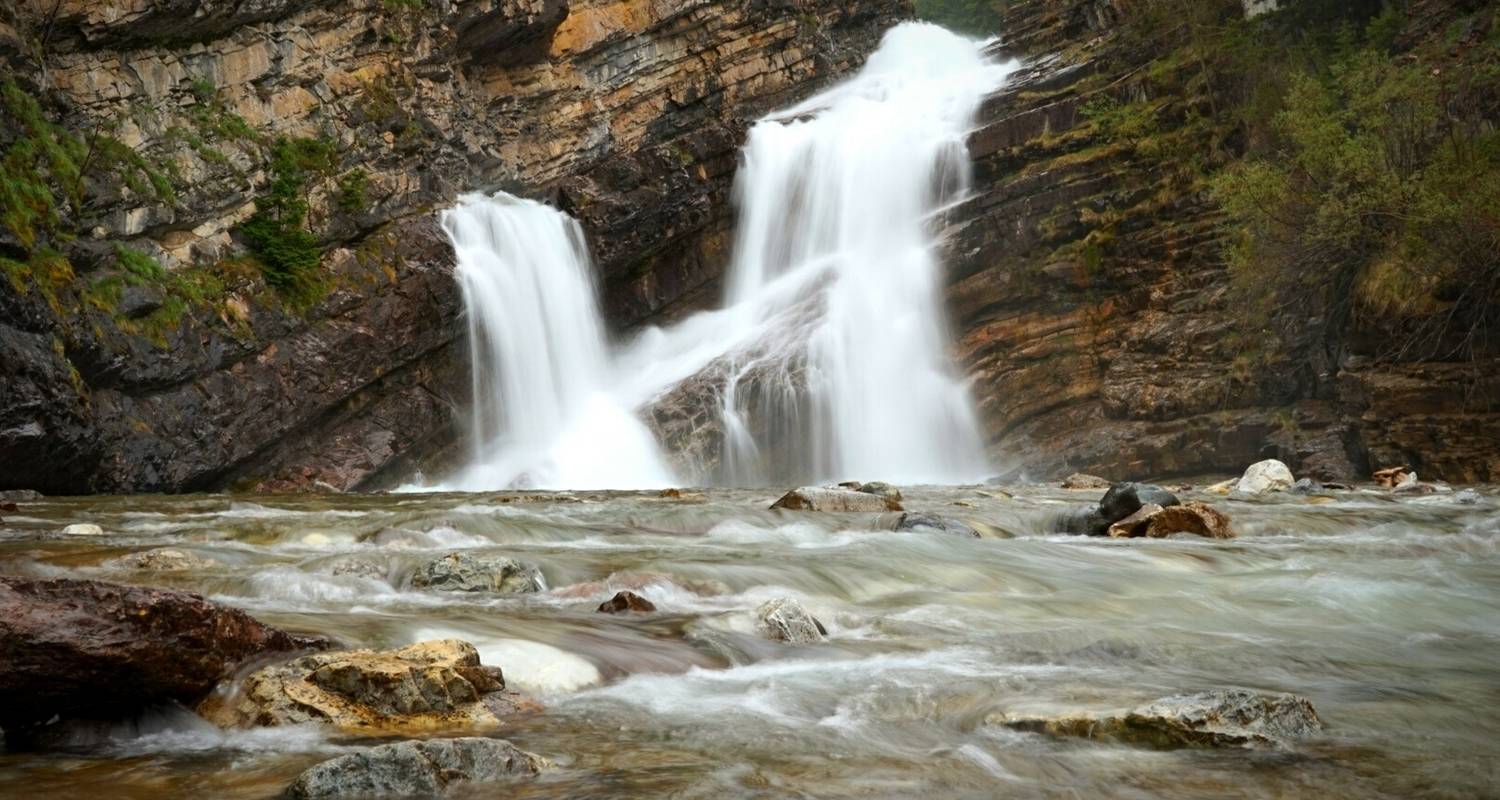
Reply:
x=975, y=17
x=143, y=268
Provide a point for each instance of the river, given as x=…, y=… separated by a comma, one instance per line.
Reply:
x=1383, y=610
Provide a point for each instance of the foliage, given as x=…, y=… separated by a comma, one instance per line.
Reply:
x=1374, y=197
x=975, y=17
x=352, y=187
x=277, y=233
x=141, y=267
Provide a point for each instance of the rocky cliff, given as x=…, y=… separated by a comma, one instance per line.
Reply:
x=220, y=234
x=1095, y=310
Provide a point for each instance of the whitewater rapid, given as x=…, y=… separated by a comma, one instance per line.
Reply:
x=830, y=358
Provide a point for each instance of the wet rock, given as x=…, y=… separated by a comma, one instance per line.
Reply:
x=6, y=505
x=1467, y=497
x=359, y=567
x=1155, y=522
x=428, y=686
x=880, y=489
x=415, y=769
x=20, y=496
x=83, y=529
x=165, y=559
x=815, y=498
x=1127, y=528
x=1265, y=476
x=1232, y=718
x=1079, y=480
x=1391, y=477
x=1121, y=501
x=102, y=650
x=1307, y=486
x=932, y=523
x=461, y=572
x=786, y=620
x=626, y=601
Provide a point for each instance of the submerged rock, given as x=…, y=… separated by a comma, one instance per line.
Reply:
x=437, y=685
x=1079, y=480
x=165, y=559
x=1230, y=718
x=102, y=650
x=817, y=498
x=83, y=529
x=932, y=523
x=415, y=769
x=1265, y=476
x=786, y=620
x=461, y=572
x=1154, y=522
x=626, y=601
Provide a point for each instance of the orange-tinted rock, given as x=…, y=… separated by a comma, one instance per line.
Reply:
x=624, y=602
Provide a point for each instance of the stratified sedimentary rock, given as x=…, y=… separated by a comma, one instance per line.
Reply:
x=1233, y=718
x=423, y=769
x=100, y=650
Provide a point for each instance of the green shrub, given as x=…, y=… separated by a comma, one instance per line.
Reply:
x=352, y=189
x=277, y=232
x=974, y=17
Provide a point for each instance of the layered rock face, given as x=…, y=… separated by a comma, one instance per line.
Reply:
x=1094, y=308
x=368, y=116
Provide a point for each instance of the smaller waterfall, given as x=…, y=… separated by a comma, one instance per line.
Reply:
x=540, y=364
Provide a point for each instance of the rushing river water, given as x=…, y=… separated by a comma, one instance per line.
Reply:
x=1385, y=612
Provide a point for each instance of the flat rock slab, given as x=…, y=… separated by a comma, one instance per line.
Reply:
x=818, y=498
x=101, y=650
x=423, y=769
x=1232, y=718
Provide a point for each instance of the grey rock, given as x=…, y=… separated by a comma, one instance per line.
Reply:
x=1467, y=497
x=1121, y=501
x=461, y=572
x=1079, y=480
x=165, y=559
x=817, y=498
x=1265, y=476
x=880, y=489
x=932, y=523
x=1224, y=718
x=1306, y=486
x=786, y=620
x=415, y=769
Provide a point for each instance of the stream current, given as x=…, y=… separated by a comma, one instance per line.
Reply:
x=1384, y=611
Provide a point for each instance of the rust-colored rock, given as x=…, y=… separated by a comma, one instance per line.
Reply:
x=430, y=686
x=1155, y=522
x=1391, y=477
x=97, y=650
x=624, y=602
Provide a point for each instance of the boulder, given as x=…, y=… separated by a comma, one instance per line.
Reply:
x=415, y=769
x=1079, y=480
x=626, y=601
x=880, y=489
x=1232, y=718
x=100, y=650
x=20, y=495
x=462, y=572
x=165, y=559
x=1265, y=476
x=1155, y=522
x=932, y=523
x=818, y=498
x=437, y=685
x=1121, y=501
x=786, y=620
x=1307, y=486
x=83, y=529
x=1127, y=528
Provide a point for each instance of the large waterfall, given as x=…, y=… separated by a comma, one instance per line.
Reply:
x=830, y=357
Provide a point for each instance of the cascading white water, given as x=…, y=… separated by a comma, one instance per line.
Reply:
x=836, y=196
x=830, y=356
x=542, y=414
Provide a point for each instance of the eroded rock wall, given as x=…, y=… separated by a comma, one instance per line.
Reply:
x=626, y=113
x=1094, y=309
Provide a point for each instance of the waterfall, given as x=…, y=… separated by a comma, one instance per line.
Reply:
x=542, y=413
x=836, y=198
x=829, y=359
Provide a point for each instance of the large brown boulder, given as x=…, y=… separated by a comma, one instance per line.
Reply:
x=430, y=686
x=96, y=650
x=1226, y=718
x=1154, y=522
x=836, y=499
